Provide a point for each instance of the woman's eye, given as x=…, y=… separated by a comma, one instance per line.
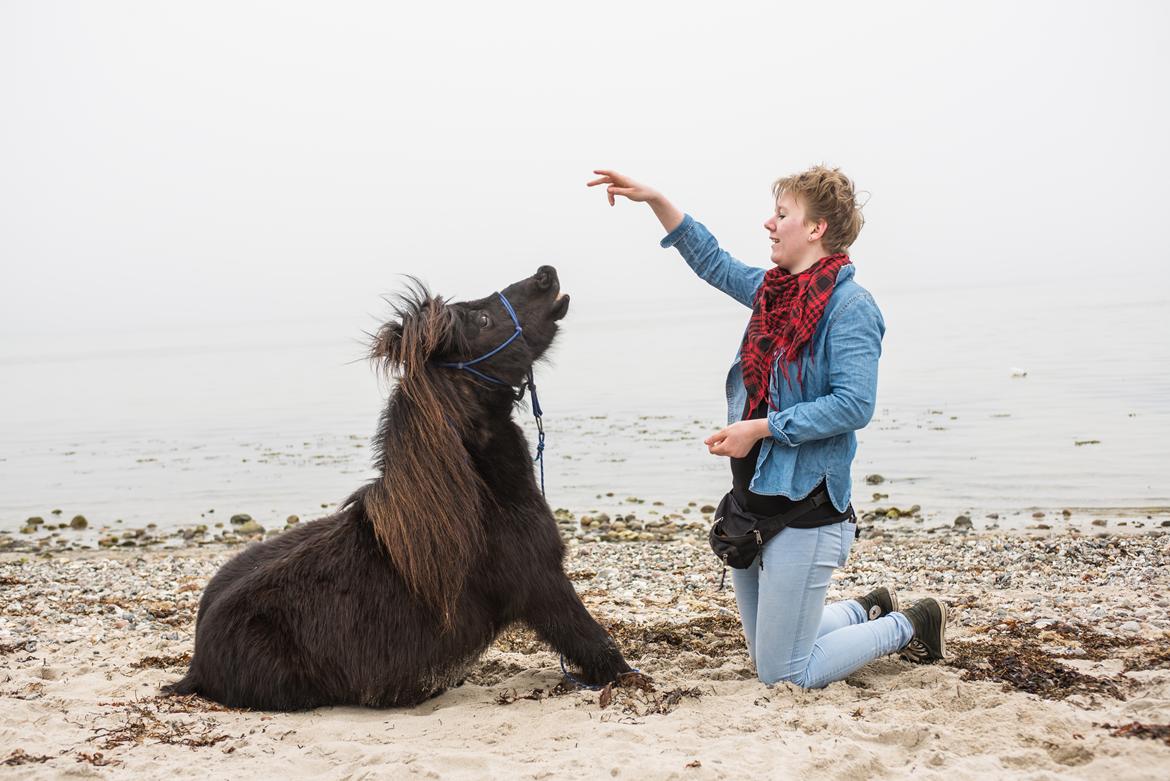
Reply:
x=484, y=320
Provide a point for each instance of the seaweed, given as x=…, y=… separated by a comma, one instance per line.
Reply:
x=174, y=703
x=21, y=757
x=97, y=759
x=162, y=662
x=1027, y=657
x=509, y=696
x=142, y=723
x=1136, y=729
x=1023, y=665
x=1155, y=655
x=639, y=701
x=1084, y=643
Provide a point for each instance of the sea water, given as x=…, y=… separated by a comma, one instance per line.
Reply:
x=1004, y=400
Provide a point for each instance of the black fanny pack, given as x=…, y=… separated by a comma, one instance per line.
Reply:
x=738, y=536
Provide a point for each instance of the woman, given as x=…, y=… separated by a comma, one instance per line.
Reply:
x=803, y=382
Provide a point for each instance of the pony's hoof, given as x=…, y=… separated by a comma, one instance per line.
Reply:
x=635, y=680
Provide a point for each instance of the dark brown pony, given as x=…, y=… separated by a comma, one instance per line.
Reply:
x=388, y=601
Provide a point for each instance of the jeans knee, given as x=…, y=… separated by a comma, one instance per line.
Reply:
x=770, y=674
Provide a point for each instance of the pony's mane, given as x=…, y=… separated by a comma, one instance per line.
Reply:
x=425, y=507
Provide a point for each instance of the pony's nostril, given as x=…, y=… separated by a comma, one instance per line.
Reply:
x=546, y=276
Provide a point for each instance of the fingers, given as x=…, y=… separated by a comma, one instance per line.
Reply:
x=607, y=177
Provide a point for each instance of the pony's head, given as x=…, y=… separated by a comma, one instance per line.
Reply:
x=428, y=331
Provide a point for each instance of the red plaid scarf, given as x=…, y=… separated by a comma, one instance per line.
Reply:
x=785, y=314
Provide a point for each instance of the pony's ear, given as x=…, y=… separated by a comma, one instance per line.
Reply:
x=424, y=327
x=386, y=344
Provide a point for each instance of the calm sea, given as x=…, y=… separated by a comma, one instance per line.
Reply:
x=992, y=400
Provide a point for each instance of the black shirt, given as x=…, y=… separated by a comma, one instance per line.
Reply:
x=742, y=470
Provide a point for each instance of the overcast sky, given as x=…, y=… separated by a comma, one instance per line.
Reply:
x=177, y=163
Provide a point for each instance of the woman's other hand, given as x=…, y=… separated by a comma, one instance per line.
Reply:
x=617, y=184
x=737, y=440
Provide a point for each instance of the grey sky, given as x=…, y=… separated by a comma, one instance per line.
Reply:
x=170, y=163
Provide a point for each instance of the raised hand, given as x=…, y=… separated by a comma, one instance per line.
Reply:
x=619, y=184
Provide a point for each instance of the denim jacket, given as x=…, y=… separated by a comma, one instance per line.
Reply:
x=812, y=420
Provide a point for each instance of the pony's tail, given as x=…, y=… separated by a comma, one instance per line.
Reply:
x=182, y=687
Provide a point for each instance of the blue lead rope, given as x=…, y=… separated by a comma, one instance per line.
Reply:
x=537, y=413
x=574, y=679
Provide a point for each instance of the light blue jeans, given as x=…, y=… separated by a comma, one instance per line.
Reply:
x=791, y=634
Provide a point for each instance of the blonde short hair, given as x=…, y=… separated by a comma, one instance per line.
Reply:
x=826, y=194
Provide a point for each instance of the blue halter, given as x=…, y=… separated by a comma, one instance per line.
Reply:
x=466, y=365
x=528, y=385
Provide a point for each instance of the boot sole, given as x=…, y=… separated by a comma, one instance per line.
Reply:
x=942, y=634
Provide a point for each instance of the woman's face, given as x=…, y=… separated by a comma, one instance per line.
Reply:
x=789, y=232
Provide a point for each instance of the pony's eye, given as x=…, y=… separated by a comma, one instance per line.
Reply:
x=484, y=320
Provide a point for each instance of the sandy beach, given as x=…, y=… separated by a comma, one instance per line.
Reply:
x=1059, y=666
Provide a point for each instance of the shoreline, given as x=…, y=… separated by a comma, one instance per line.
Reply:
x=631, y=520
x=1053, y=637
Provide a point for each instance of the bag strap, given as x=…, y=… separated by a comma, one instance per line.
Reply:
x=803, y=507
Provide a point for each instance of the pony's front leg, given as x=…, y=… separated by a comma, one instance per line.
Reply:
x=556, y=614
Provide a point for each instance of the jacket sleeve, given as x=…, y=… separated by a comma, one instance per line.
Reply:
x=712, y=263
x=852, y=350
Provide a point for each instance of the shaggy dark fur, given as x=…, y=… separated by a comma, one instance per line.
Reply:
x=388, y=601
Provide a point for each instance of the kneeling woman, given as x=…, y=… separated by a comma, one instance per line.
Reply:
x=804, y=381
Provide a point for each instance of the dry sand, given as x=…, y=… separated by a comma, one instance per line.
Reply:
x=1058, y=646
